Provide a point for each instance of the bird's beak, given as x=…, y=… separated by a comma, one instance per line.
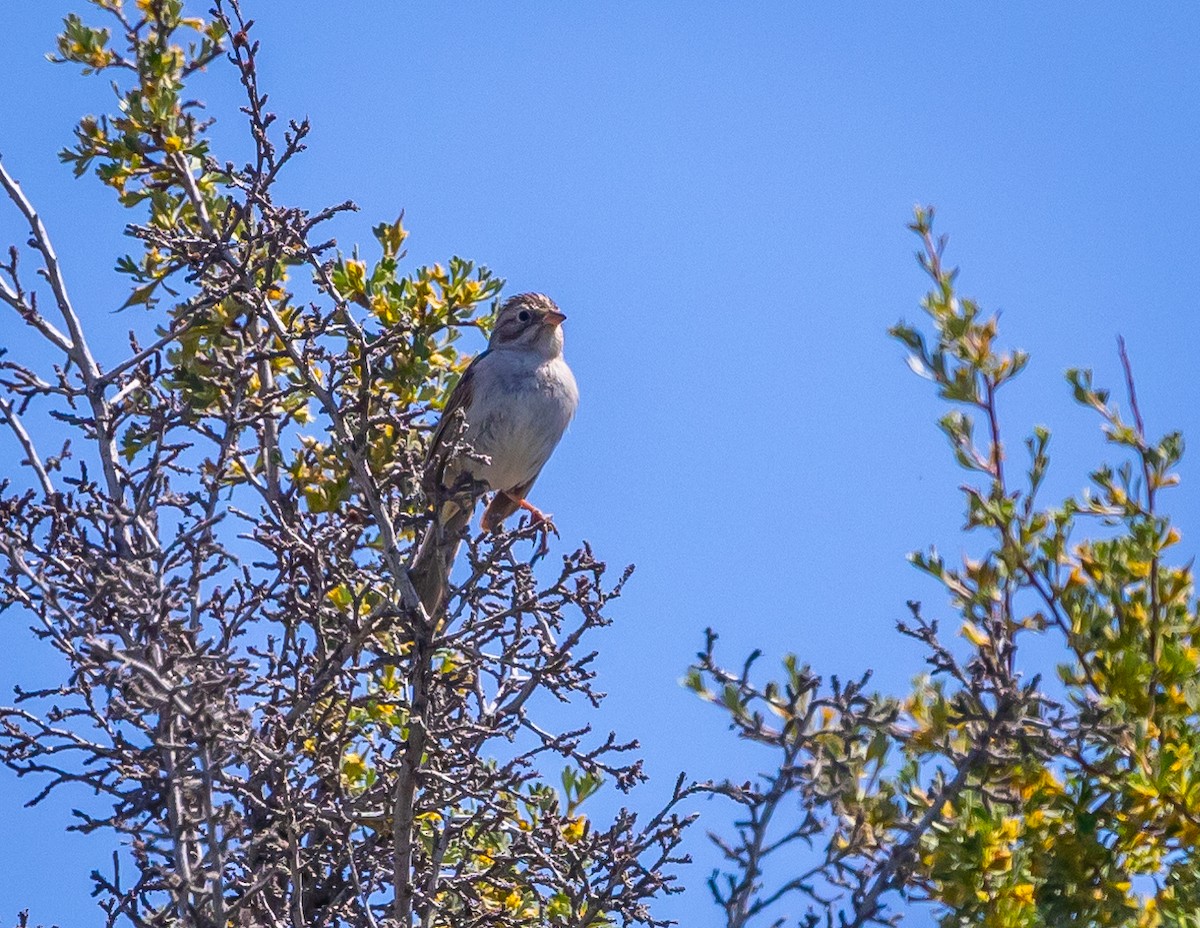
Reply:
x=554, y=318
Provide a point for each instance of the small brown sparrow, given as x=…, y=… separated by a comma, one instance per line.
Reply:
x=517, y=399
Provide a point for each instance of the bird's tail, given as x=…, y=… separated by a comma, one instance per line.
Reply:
x=434, y=560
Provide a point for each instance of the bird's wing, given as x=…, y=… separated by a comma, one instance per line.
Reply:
x=460, y=398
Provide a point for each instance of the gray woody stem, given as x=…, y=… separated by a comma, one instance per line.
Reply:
x=77, y=350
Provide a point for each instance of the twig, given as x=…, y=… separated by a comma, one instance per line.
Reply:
x=78, y=351
x=1149, y=479
x=31, y=455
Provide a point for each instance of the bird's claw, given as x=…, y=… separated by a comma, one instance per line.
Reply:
x=543, y=524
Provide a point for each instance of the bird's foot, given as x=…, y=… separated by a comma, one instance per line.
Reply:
x=544, y=523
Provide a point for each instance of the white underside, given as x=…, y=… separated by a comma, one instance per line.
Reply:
x=520, y=406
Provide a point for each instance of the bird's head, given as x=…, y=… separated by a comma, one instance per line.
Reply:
x=529, y=321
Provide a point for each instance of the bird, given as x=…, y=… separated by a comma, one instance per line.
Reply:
x=515, y=400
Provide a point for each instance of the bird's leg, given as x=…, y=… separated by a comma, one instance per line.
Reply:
x=537, y=517
x=543, y=520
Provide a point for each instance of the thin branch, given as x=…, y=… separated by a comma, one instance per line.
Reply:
x=79, y=351
x=31, y=456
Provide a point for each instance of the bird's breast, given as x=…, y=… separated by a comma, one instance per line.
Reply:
x=517, y=415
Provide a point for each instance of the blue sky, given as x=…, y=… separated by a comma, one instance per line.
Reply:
x=717, y=199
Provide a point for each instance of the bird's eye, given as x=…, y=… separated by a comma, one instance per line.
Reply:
x=523, y=316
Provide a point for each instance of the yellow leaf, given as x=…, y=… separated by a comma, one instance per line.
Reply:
x=575, y=829
x=974, y=634
x=354, y=768
x=997, y=858
x=356, y=274
x=340, y=596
